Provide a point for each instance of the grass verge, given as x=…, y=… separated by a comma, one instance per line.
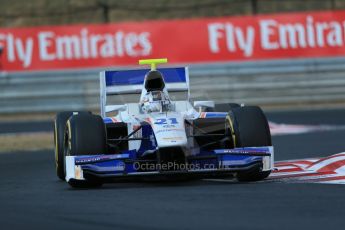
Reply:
x=26, y=141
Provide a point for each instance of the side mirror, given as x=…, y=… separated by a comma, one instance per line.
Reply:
x=203, y=104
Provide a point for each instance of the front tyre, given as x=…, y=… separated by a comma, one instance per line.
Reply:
x=249, y=128
x=85, y=134
x=59, y=132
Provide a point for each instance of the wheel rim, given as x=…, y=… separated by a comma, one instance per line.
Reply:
x=229, y=130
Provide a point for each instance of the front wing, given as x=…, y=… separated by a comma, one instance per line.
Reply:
x=203, y=165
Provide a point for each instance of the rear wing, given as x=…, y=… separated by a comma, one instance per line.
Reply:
x=127, y=85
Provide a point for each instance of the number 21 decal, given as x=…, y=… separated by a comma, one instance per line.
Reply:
x=163, y=121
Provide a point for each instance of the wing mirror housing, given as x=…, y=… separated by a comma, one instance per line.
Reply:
x=203, y=104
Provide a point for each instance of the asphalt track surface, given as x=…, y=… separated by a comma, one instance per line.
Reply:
x=25, y=126
x=31, y=197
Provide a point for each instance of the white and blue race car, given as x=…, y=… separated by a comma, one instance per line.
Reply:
x=160, y=134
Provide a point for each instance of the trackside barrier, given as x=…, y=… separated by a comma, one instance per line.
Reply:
x=279, y=83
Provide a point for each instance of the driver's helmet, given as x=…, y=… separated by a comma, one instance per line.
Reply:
x=155, y=101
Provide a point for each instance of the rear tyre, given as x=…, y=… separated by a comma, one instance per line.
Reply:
x=225, y=107
x=249, y=128
x=116, y=131
x=210, y=126
x=85, y=134
x=59, y=132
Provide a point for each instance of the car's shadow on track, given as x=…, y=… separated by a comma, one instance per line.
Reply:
x=169, y=184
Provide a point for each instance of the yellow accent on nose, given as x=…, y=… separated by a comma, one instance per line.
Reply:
x=153, y=62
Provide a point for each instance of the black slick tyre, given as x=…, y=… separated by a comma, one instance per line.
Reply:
x=85, y=134
x=59, y=133
x=249, y=128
